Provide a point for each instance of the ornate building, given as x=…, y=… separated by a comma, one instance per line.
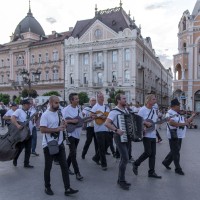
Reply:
x=104, y=53
x=187, y=61
x=108, y=51
x=31, y=50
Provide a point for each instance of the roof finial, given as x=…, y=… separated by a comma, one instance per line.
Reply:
x=120, y=4
x=29, y=11
x=96, y=10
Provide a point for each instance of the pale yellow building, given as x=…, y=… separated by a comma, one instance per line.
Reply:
x=187, y=61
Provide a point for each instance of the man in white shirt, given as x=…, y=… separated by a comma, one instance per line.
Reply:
x=149, y=138
x=7, y=116
x=23, y=115
x=70, y=114
x=90, y=134
x=51, y=128
x=179, y=124
x=112, y=124
x=101, y=131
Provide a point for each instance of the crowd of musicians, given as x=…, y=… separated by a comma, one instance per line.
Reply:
x=109, y=128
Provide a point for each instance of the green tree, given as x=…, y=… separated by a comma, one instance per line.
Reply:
x=52, y=93
x=5, y=98
x=83, y=98
x=29, y=93
x=112, y=94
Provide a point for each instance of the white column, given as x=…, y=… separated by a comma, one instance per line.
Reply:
x=183, y=74
x=90, y=77
x=105, y=77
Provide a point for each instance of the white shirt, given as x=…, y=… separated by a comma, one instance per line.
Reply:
x=9, y=113
x=144, y=112
x=72, y=112
x=32, y=110
x=22, y=115
x=102, y=108
x=113, y=115
x=50, y=119
x=179, y=119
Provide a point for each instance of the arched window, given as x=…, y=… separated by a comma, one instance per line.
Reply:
x=47, y=75
x=100, y=78
x=114, y=76
x=55, y=74
x=20, y=60
x=184, y=47
x=71, y=79
x=126, y=76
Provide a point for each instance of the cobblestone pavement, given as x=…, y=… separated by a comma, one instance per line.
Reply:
x=19, y=183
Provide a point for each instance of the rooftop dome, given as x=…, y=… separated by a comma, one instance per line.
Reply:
x=28, y=24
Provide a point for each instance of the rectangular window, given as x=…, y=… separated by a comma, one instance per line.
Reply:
x=127, y=54
x=47, y=75
x=55, y=56
x=85, y=59
x=71, y=59
x=47, y=57
x=114, y=56
x=32, y=59
x=40, y=58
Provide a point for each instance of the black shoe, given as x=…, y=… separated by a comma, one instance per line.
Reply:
x=70, y=172
x=123, y=185
x=79, y=177
x=56, y=162
x=167, y=166
x=35, y=154
x=180, y=172
x=104, y=168
x=107, y=153
x=135, y=169
x=70, y=191
x=48, y=191
x=96, y=161
x=28, y=166
x=83, y=156
x=154, y=175
x=15, y=163
x=128, y=184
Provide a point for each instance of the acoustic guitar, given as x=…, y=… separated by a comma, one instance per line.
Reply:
x=98, y=119
x=152, y=127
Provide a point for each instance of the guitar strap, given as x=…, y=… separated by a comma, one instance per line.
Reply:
x=150, y=113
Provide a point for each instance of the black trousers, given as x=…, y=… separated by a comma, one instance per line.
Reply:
x=174, y=154
x=149, y=152
x=61, y=158
x=102, y=140
x=27, y=146
x=72, y=154
x=90, y=134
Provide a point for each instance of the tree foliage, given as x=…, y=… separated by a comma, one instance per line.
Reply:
x=83, y=98
x=29, y=93
x=5, y=98
x=112, y=94
x=52, y=93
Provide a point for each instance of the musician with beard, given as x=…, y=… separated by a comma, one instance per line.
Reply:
x=51, y=128
x=112, y=124
x=70, y=113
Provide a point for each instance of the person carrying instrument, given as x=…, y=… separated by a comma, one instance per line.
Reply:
x=7, y=116
x=178, y=123
x=112, y=124
x=22, y=115
x=51, y=128
x=101, y=131
x=71, y=114
x=89, y=129
x=149, y=138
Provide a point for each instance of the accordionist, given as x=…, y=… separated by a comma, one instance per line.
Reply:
x=122, y=145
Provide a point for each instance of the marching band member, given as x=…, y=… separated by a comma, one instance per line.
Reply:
x=111, y=123
x=179, y=123
x=72, y=111
x=51, y=129
x=101, y=131
x=149, y=139
x=90, y=134
x=22, y=115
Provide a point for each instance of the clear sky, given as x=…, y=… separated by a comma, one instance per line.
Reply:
x=158, y=18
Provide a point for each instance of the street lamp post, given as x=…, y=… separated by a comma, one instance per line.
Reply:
x=26, y=79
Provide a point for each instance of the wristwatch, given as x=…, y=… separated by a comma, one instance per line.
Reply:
x=115, y=130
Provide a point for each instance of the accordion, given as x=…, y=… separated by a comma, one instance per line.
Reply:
x=132, y=125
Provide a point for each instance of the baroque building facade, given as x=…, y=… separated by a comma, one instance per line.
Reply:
x=104, y=53
x=187, y=60
x=108, y=52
